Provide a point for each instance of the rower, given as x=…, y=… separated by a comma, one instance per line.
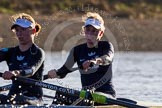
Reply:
x=26, y=59
x=101, y=53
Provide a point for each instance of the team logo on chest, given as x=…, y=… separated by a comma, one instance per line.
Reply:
x=25, y=64
x=91, y=54
x=81, y=60
x=20, y=58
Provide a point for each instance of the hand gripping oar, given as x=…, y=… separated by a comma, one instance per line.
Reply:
x=8, y=87
x=71, y=70
x=45, y=77
x=80, y=94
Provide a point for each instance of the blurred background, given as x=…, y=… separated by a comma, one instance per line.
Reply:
x=133, y=26
x=140, y=20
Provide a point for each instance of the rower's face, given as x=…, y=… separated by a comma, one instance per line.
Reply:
x=91, y=35
x=23, y=35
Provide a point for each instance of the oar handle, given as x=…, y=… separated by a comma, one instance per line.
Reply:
x=45, y=77
x=1, y=74
x=8, y=87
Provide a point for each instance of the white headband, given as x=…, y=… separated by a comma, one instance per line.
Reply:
x=23, y=23
x=94, y=22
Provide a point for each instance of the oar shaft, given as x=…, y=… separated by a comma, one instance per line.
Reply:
x=5, y=88
x=124, y=103
x=49, y=86
x=80, y=94
x=46, y=85
x=8, y=87
x=45, y=77
x=47, y=96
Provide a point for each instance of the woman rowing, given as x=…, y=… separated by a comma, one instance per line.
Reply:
x=94, y=58
x=26, y=59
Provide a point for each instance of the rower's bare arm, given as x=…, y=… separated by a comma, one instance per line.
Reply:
x=67, y=67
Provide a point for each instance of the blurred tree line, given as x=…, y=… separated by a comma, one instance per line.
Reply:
x=140, y=19
x=121, y=8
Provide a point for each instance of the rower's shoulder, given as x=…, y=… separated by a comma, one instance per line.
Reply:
x=8, y=49
x=37, y=50
x=105, y=43
x=83, y=45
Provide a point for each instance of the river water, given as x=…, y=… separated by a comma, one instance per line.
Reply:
x=136, y=75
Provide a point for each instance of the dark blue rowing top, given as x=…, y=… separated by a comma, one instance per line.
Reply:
x=30, y=63
x=98, y=76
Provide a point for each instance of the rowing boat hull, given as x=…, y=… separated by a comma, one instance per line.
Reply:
x=54, y=106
